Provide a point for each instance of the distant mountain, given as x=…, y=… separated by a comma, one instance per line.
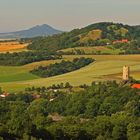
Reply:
x=39, y=30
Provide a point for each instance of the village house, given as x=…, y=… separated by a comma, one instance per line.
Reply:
x=121, y=41
x=5, y=94
x=137, y=86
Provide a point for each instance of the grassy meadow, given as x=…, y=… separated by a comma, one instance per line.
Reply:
x=106, y=67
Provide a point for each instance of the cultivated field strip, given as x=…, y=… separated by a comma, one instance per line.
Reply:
x=106, y=67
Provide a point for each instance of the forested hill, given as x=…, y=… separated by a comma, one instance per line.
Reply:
x=95, y=34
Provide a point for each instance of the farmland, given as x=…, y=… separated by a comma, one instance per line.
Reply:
x=92, y=50
x=21, y=73
x=85, y=42
x=12, y=46
x=106, y=67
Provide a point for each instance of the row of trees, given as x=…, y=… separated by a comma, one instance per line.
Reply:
x=132, y=47
x=129, y=48
x=103, y=111
x=22, y=58
x=62, y=67
x=99, y=42
x=82, y=52
x=52, y=87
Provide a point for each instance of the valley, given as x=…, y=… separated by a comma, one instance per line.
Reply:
x=69, y=70
x=78, y=85
x=106, y=67
x=111, y=45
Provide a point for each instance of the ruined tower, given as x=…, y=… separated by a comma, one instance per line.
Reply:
x=126, y=73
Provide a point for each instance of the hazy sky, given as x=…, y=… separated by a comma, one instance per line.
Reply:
x=65, y=14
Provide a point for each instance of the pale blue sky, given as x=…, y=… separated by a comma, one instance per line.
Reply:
x=66, y=14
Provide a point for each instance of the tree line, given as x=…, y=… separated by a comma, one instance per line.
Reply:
x=22, y=58
x=132, y=47
x=62, y=67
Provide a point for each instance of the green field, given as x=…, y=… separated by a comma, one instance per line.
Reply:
x=106, y=67
x=21, y=73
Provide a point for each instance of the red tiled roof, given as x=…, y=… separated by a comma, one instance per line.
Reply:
x=121, y=41
x=136, y=86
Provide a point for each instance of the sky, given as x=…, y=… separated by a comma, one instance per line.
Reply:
x=66, y=14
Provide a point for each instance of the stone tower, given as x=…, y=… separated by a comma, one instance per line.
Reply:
x=126, y=73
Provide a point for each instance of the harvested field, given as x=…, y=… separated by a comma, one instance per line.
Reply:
x=12, y=46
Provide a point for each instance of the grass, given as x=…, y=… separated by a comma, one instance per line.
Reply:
x=89, y=50
x=11, y=74
x=21, y=73
x=92, y=35
x=106, y=67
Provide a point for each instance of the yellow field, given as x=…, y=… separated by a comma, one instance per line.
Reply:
x=106, y=67
x=12, y=46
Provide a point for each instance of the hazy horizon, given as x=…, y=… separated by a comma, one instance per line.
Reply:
x=66, y=15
